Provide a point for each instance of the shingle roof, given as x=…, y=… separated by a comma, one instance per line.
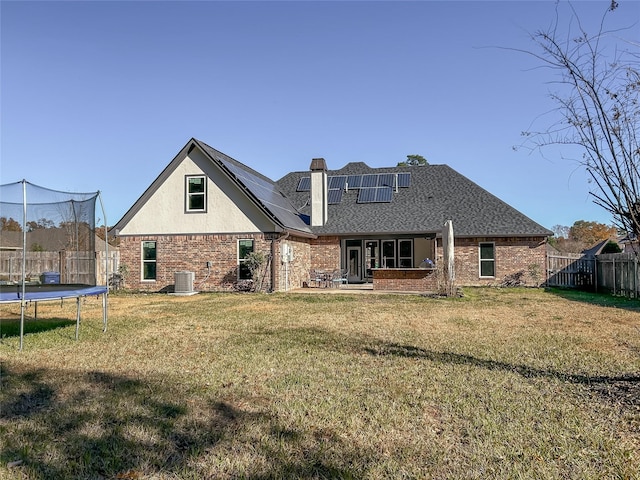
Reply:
x=263, y=190
x=437, y=193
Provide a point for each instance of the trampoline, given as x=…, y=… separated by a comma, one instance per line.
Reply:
x=47, y=248
x=42, y=293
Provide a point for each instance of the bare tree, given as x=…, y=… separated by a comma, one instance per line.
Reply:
x=599, y=81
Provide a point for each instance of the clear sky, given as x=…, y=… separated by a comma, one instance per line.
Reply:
x=102, y=95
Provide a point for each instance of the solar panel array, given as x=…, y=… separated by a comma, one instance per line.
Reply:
x=372, y=187
x=266, y=192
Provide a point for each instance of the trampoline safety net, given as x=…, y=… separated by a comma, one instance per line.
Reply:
x=48, y=233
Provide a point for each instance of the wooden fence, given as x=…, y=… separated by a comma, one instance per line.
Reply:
x=616, y=273
x=82, y=267
x=572, y=271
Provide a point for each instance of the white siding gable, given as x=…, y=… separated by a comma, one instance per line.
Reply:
x=228, y=209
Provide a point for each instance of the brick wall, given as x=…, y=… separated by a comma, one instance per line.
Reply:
x=413, y=280
x=190, y=253
x=512, y=255
x=325, y=254
x=292, y=274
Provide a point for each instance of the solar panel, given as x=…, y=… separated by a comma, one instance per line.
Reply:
x=267, y=193
x=334, y=197
x=385, y=180
x=337, y=181
x=384, y=194
x=375, y=195
x=404, y=180
x=304, y=185
x=354, y=181
x=369, y=180
x=366, y=195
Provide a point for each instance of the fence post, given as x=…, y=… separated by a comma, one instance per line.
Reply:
x=635, y=277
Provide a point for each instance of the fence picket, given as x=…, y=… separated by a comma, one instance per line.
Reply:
x=84, y=268
x=616, y=273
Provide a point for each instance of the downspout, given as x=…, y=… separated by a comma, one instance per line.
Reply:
x=274, y=258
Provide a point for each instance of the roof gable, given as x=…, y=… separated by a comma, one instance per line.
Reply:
x=260, y=190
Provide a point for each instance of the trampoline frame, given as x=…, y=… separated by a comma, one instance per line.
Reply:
x=80, y=291
x=25, y=294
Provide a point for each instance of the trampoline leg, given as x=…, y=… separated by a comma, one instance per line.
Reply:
x=22, y=307
x=104, y=312
x=78, y=318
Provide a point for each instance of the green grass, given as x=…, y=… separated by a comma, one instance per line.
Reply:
x=509, y=383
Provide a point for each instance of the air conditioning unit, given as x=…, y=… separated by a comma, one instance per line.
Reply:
x=184, y=283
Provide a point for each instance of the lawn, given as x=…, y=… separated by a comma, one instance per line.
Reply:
x=502, y=383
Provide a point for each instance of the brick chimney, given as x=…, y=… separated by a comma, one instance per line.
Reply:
x=319, y=192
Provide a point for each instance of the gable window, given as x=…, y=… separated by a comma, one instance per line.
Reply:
x=148, y=260
x=196, y=193
x=487, y=260
x=245, y=247
x=405, y=253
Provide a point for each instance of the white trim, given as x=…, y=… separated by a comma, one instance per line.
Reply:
x=143, y=261
x=480, y=259
x=253, y=249
x=188, y=194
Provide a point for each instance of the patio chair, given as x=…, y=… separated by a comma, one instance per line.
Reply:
x=317, y=277
x=340, y=277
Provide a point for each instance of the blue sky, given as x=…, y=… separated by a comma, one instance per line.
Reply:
x=102, y=95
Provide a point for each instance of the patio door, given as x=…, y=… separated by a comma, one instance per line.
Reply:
x=354, y=264
x=371, y=260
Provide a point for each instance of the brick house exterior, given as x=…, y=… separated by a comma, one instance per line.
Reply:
x=513, y=255
x=206, y=213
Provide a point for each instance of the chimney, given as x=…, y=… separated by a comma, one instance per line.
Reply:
x=319, y=192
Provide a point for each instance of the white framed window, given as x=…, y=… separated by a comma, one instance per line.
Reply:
x=245, y=247
x=149, y=260
x=405, y=253
x=196, y=193
x=487, y=259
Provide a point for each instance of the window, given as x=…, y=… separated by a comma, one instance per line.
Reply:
x=196, y=190
x=487, y=260
x=405, y=253
x=149, y=260
x=389, y=254
x=245, y=247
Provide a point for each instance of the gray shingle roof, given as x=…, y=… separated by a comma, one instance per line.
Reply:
x=437, y=193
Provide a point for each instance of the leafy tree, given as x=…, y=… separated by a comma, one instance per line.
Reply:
x=257, y=262
x=414, y=161
x=599, y=81
x=10, y=225
x=41, y=223
x=590, y=233
x=611, y=247
x=36, y=247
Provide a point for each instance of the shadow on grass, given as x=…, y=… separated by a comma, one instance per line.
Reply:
x=11, y=328
x=598, y=299
x=63, y=424
x=624, y=388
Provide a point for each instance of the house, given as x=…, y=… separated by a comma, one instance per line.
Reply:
x=206, y=212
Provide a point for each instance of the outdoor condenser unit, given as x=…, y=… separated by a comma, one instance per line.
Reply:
x=184, y=282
